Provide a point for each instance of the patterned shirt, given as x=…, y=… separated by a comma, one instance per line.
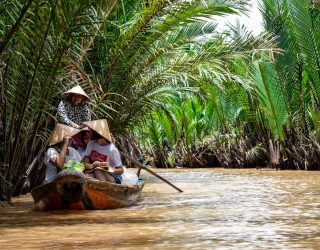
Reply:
x=70, y=114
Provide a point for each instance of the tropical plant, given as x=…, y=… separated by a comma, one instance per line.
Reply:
x=296, y=25
x=128, y=55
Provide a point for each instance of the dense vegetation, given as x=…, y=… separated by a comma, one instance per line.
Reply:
x=166, y=80
x=264, y=111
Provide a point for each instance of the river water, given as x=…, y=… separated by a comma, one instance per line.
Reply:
x=219, y=209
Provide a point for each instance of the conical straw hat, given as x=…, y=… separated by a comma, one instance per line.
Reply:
x=61, y=131
x=76, y=90
x=101, y=127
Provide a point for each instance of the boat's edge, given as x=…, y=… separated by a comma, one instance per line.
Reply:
x=98, y=195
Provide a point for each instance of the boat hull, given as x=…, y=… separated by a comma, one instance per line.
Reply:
x=84, y=193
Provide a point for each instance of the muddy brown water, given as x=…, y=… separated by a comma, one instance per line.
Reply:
x=219, y=209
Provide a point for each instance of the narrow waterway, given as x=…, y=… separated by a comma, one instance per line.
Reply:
x=219, y=209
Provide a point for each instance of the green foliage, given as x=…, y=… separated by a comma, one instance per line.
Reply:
x=158, y=69
x=270, y=98
x=129, y=56
x=37, y=37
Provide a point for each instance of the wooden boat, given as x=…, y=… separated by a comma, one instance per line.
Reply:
x=73, y=190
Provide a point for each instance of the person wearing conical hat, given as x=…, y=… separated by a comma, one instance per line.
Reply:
x=81, y=140
x=59, y=151
x=73, y=109
x=100, y=152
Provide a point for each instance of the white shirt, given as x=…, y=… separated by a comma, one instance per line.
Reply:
x=81, y=152
x=51, y=171
x=108, y=153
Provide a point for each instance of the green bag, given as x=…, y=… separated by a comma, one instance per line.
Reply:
x=74, y=165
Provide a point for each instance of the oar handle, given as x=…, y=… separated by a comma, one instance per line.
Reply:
x=150, y=171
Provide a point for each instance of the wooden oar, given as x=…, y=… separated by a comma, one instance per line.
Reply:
x=150, y=171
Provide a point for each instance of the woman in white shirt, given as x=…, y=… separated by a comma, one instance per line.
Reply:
x=102, y=151
x=60, y=151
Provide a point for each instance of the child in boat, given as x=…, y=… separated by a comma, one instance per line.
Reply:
x=60, y=151
x=81, y=141
x=73, y=109
x=101, y=151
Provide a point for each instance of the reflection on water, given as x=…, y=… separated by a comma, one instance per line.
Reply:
x=219, y=209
